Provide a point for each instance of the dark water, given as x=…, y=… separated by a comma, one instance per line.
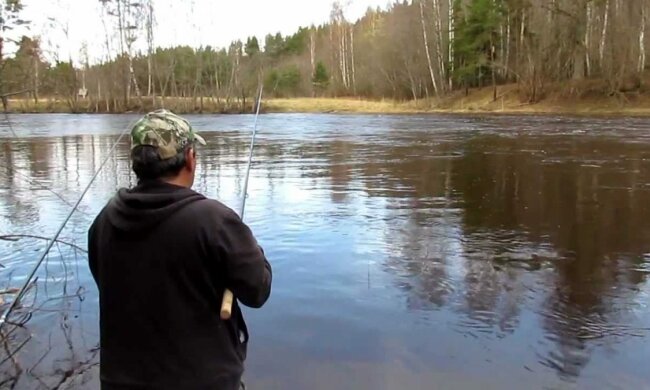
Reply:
x=410, y=252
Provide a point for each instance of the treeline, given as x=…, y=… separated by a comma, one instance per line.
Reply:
x=412, y=50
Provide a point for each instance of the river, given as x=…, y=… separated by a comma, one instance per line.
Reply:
x=409, y=252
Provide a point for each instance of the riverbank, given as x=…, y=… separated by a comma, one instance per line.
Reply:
x=509, y=101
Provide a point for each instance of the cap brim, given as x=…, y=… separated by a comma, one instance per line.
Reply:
x=199, y=139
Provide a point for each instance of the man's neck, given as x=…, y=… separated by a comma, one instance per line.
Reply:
x=178, y=181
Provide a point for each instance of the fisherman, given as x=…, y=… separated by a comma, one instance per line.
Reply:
x=162, y=256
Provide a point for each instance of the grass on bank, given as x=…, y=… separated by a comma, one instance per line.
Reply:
x=589, y=98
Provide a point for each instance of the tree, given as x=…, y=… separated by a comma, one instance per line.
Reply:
x=150, y=47
x=24, y=68
x=321, y=78
x=129, y=16
x=284, y=82
x=274, y=45
x=475, y=41
x=290, y=80
x=339, y=28
x=252, y=47
x=297, y=43
x=61, y=82
x=642, y=28
x=426, y=47
x=9, y=19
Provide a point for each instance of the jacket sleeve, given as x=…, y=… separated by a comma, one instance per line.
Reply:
x=92, y=250
x=248, y=272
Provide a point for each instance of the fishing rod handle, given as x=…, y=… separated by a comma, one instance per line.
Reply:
x=226, y=305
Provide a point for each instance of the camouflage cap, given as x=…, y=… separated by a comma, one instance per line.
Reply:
x=165, y=130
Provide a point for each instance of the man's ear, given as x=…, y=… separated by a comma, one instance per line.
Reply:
x=190, y=158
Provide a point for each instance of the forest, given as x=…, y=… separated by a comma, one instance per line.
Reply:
x=411, y=50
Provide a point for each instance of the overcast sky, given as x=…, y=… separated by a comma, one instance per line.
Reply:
x=191, y=22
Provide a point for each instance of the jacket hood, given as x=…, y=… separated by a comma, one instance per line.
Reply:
x=147, y=204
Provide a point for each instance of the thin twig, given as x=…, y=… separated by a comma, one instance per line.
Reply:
x=23, y=322
x=65, y=270
x=83, y=367
x=28, y=315
x=39, y=361
x=13, y=380
x=11, y=354
x=16, y=237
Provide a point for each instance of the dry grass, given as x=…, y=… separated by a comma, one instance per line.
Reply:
x=471, y=104
x=558, y=99
x=586, y=98
x=342, y=105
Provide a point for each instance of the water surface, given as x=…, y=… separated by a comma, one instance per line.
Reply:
x=409, y=252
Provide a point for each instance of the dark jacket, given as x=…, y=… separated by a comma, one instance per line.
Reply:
x=162, y=256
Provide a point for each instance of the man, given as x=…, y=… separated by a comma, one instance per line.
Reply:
x=162, y=256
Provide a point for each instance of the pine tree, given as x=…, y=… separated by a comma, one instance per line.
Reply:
x=252, y=46
x=320, y=78
x=475, y=41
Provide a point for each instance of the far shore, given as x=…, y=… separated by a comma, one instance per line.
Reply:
x=478, y=101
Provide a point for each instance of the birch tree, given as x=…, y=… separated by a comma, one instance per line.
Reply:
x=440, y=51
x=426, y=48
x=641, y=66
x=340, y=32
x=450, y=43
x=129, y=16
x=603, y=38
x=354, y=80
x=588, y=28
x=150, y=47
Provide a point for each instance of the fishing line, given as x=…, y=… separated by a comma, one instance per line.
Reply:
x=42, y=186
x=23, y=289
x=226, y=303
x=26, y=177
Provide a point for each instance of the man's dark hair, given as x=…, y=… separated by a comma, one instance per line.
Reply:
x=147, y=164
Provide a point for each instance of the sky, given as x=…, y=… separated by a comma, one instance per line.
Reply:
x=187, y=22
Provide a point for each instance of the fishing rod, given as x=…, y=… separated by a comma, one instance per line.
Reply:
x=226, y=303
x=25, y=286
